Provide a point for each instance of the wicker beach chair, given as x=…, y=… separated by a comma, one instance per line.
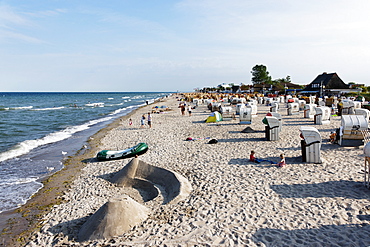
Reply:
x=366, y=135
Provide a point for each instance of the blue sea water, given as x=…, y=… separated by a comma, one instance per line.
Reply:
x=38, y=130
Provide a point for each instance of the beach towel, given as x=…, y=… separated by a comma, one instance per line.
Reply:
x=197, y=138
x=262, y=160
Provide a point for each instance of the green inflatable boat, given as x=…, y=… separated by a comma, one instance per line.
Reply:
x=139, y=149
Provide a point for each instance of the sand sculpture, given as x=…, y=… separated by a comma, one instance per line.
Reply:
x=114, y=218
x=137, y=172
x=122, y=213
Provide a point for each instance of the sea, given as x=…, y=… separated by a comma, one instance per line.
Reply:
x=39, y=130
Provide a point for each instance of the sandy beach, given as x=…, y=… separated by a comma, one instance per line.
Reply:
x=234, y=202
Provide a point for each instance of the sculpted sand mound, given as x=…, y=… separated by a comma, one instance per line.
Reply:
x=122, y=213
x=138, y=173
x=114, y=218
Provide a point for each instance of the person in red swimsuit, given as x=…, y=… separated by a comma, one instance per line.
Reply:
x=252, y=158
x=282, y=161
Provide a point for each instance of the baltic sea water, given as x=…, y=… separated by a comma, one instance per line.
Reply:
x=38, y=130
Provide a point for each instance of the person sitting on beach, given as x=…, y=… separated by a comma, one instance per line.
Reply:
x=282, y=161
x=333, y=137
x=253, y=158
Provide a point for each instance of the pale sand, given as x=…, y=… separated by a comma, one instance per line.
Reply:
x=234, y=202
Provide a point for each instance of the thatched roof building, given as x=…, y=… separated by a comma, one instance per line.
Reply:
x=325, y=83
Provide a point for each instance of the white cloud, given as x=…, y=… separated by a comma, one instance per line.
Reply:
x=9, y=17
x=6, y=35
x=47, y=13
x=192, y=44
x=10, y=24
x=303, y=38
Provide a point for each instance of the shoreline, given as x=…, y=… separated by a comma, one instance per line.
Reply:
x=17, y=225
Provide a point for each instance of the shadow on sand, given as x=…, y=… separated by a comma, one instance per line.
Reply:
x=329, y=235
x=241, y=139
x=342, y=188
x=246, y=161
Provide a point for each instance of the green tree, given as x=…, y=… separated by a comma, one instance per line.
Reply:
x=260, y=75
x=282, y=80
x=364, y=89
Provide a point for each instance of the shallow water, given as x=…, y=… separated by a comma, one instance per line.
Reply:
x=38, y=130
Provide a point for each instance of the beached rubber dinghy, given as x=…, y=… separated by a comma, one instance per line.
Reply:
x=122, y=154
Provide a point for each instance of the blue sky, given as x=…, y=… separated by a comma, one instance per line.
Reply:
x=137, y=45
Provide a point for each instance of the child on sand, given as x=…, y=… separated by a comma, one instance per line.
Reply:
x=282, y=161
x=149, y=120
x=130, y=122
x=142, y=121
x=333, y=137
x=252, y=158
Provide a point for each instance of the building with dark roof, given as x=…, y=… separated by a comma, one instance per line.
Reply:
x=325, y=84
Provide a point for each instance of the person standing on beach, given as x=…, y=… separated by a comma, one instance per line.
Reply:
x=189, y=110
x=142, y=121
x=149, y=120
x=182, y=108
x=130, y=122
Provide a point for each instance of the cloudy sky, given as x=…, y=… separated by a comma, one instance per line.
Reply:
x=164, y=45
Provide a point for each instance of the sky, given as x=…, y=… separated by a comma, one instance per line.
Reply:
x=169, y=46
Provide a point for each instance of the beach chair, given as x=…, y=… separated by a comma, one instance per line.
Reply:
x=350, y=134
x=311, y=145
x=293, y=108
x=272, y=129
x=367, y=159
x=322, y=115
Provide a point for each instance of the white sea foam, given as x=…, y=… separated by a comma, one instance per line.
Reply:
x=20, y=107
x=26, y=146
x=125, y=97
x=118, y=111
x=116, y=104
x=48, y=109
x=138, y=97
x=14, y=181
x=98, y=104
x=18, y=193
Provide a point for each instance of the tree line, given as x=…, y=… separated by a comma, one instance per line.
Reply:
x=260, y=75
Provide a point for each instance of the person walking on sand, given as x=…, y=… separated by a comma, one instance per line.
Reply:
x=130, y=122
x=149, y=120
x=182, y=108
x=282, y=161
x=189, y=110
x=142, y=121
